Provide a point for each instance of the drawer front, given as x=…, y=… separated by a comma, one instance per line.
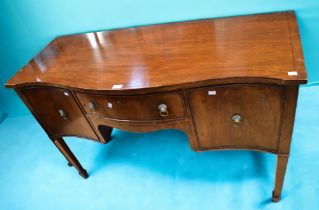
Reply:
x=58, y=112
x=139, y=107
x=246, y=116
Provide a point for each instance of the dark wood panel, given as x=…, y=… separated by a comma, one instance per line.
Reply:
x=288, y=118
x=58, y=112
x=254, y=48
x=257, y=109
x=140, y=107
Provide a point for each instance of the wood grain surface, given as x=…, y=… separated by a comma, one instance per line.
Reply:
x=244, y=49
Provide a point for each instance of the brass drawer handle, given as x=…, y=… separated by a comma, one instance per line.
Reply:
x=163, y=110
x=236, y=118
x=93, y=108
x=63, y=114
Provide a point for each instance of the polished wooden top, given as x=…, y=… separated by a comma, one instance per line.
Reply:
x=256, y=48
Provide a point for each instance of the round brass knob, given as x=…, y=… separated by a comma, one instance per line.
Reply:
x=163, y=110
x=63, y=114
x=236, y=118
x=93, y=108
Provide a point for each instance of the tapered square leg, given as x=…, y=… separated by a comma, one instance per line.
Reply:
x=282, y=161
x=67, y=153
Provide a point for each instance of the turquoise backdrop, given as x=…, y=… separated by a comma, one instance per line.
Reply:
x=154, y=170
x=26, y=26
x=2, y=115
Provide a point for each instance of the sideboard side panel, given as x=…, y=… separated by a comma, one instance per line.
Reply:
x=288, y=118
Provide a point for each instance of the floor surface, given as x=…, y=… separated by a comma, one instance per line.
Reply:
x=155, y=170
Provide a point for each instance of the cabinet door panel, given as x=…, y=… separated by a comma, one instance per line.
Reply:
x=246, y=116
x=58, y=112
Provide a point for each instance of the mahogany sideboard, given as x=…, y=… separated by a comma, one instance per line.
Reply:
x=228, y=83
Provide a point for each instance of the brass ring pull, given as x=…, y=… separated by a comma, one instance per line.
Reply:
x=63, y=114
x=92, y=107
x=236, y=118
x=163, y=110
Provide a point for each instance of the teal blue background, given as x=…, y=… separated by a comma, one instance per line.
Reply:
x=2, y=115
x=155, y=171
x=26, y=26
x=151, y=170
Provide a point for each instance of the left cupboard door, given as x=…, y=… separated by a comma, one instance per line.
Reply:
x=58, y=112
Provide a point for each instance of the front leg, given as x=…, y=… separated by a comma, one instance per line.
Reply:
x=282, y=161
x=67, y=153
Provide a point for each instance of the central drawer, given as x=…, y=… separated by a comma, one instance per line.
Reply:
x=137, y=107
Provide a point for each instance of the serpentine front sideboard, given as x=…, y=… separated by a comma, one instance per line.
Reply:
x=228, y=83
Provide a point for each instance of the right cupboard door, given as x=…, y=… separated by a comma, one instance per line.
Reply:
x=244, y=116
